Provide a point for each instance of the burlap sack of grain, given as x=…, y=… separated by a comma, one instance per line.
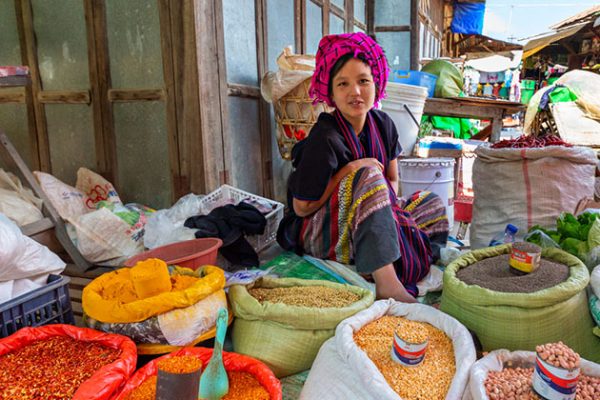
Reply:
x=527, y=187
x=287, y=338
x=496, y=360
x=343, y=371
x=520, y=321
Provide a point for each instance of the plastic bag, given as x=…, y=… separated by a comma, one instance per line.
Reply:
x=68, y=201
x=496, y=360
x=586, y=86
x=108, y=380
x=24, y=263
x=293, y=70
x=96, y=189
x=166, y=226
x=343, y=371
x=115, y=311
x=16, y=202
x=231, y=361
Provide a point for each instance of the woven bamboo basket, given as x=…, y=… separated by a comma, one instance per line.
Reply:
x=295, y=115
x=544, y=124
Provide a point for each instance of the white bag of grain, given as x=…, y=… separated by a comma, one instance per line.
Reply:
x=496, y=360
x=343, y=371
x=527, y=187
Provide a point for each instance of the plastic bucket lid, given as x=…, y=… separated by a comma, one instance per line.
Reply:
x=406, y=90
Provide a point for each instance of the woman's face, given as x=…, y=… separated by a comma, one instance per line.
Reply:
x=353, y=89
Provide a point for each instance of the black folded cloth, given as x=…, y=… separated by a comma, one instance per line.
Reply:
x=230, y=223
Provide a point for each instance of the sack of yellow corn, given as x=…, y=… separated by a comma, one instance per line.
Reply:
x=292, y=318
x=357, y=362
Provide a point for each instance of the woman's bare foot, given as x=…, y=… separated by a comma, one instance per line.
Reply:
x=388, y=286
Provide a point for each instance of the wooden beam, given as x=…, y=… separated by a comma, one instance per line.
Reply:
x=100, y=83
x=170, y=91
x=263, y=107
x=325, y=17
x=211, y=87
x=399, y=28
x=191, y=157
x=300, y=26
x=29, y=45
x=370, y=16
x=361, y=25
x=415, y=41
x=127, y=95
x=239, y=90
x=349, y=18
x=64, y=97
x=12, y=97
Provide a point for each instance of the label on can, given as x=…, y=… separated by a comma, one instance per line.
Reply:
x=554, y=383
x=524, y=261
x=408, y=354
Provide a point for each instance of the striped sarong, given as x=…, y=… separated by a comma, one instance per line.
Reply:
x=359, y=224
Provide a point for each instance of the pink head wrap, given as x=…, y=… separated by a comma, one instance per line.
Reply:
x=332, y=47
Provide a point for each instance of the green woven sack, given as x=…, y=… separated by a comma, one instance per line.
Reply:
x=287, y=338
x=520, y=321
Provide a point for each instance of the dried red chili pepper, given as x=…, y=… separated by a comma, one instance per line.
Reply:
x=523, y=142
x=51, y=369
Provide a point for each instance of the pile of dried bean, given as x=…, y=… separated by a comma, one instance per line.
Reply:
x=53, y=368
x=524, y=141
x=242, y=386
x=305, y=296
x=429, y=380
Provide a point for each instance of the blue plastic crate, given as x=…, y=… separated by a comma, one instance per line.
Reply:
x=416, y=78
x=50, y=304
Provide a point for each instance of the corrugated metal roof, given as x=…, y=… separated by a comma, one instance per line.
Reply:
x=583, y=16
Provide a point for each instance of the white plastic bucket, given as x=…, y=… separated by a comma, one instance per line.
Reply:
x=414, y=98
x=432, y=174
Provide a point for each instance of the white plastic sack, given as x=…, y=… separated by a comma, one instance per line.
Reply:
x=16, y=202
x=166, y=226
x=495, y=361
x=343, y=371
x=293, y=70
x=68, y=201
x=24, y=263
x=96, y=189
x=595, y=281
x=527, y=187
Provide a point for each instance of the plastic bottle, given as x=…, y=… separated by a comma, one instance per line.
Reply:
x=508, y=236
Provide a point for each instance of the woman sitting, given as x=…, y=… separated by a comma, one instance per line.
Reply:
x=342, y=191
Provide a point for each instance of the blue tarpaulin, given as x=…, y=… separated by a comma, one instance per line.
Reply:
x=468, y=18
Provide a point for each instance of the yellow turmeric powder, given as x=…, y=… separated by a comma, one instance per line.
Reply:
x=150, y=278
x=121, y=287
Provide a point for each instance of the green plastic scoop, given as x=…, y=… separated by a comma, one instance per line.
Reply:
x=214, y=383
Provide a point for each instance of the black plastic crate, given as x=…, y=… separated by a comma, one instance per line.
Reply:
x=50, y=304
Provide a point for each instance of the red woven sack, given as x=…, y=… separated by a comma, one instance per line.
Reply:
x=232, y=362
x=108, y=380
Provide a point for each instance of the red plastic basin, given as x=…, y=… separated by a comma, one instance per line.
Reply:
x=190, y=253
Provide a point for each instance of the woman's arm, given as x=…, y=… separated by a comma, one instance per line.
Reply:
x=392, y=174
x=303, y=208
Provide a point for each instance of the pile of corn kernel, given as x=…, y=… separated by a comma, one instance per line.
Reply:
x=430, y=380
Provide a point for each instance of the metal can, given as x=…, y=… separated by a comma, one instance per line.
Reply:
x=554, y=383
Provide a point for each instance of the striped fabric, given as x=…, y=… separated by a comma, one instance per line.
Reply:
x=329, y=233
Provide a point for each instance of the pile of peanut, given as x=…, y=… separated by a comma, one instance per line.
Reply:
x=412, y=331
x=558, y=355
x=515, y=383
x=510, y=383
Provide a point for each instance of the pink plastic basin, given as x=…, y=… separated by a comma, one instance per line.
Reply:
x=190, y=253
